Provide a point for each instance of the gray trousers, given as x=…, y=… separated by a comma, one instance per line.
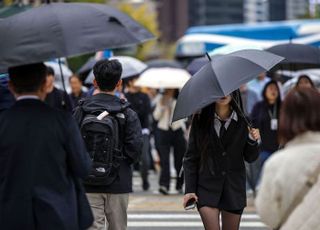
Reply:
x=109, y=210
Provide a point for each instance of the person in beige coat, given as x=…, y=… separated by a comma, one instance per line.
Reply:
x=289, y=195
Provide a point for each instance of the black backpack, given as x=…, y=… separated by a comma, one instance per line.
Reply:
x=103, y=136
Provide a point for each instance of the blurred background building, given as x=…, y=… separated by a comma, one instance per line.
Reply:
x=214, y=12
x=172, y=19
x=274, y=10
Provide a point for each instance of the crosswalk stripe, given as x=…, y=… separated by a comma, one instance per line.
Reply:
x=172, y=224
x=180, y=216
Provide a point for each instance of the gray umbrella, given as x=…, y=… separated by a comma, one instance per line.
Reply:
x=220, y=77
x=65, y=29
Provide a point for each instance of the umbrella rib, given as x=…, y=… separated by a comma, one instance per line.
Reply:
x=61, y=28
x=252, y=62
x=219, y=85
x=129, y=30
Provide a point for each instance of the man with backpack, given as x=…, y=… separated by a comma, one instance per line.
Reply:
x=112, y=133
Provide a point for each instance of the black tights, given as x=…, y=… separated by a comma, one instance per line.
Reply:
x=211, y=219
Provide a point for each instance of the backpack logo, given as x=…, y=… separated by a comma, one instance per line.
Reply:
x=102, y=134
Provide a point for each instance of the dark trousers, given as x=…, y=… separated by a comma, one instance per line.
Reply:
x=145, y=158
x=168, y=139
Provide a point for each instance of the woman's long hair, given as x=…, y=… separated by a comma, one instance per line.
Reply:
x=264, y=92
x=203, y=124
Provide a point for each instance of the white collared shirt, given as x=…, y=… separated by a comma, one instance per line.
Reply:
x=217, y=123
x=233, y=116
x=28, y=97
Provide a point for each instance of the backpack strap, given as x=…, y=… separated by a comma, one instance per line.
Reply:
x=78, y=112
x=121, y=117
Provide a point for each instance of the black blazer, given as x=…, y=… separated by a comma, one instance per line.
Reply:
x=224, y=170
x=261, y=120
x=41, y=156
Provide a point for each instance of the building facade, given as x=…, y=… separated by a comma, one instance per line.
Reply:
x=215, y=12
x=274, y=10
x=172, y=19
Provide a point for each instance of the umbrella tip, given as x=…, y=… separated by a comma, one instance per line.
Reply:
x=208, y=56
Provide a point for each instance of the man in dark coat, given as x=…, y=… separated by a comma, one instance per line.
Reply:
x=56, y=98
x=42, y=157
x=140, y=103
x=110, y=202
x=76, y=90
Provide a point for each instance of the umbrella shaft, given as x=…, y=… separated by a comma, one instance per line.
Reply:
x=242, y=113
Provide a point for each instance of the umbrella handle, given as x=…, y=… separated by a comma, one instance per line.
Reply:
x=242, y=113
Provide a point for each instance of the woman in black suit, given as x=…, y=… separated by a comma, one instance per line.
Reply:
x=215, y=177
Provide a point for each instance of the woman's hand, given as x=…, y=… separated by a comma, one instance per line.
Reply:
x=255, y=134
x=189, y=196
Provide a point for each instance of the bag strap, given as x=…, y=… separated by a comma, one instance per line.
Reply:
x=120, y=119
x=313, y=178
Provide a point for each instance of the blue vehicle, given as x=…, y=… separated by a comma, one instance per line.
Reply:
x=200, y=39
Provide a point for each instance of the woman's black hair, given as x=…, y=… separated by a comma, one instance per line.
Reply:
x=203, y=124
x=264, y=92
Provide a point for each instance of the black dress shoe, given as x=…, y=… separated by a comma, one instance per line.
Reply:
x=163, y=190
x=145, y=185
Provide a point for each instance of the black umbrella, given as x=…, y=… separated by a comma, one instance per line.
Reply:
x=297, y=56
x=220, y=77
x=65, y=29
x=88, y=66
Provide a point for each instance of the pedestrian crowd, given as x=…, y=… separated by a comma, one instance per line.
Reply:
x=67, y=160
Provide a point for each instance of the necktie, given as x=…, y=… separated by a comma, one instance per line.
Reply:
x=222, y=129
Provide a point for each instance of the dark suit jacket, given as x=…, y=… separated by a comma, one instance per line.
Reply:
x=261, y=120
x=223, y=172
x=6, y=98
x=60, y=100
x=41, y=155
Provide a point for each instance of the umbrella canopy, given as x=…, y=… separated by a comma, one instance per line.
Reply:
x=314, y=75
x=170, y=78
x=221, y=77
x=234, y=47
x=65, y=29
x=158, y=63
x=87, y=67
x=130, y=67
x=297, y=56
x=196, y=64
